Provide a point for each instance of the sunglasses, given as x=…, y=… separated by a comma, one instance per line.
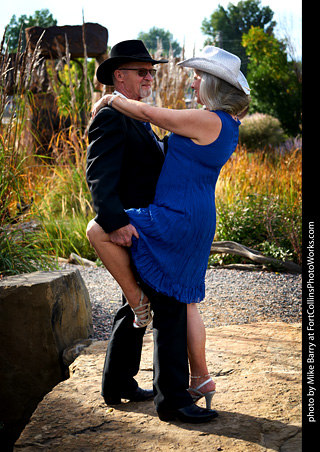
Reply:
x=141, y=72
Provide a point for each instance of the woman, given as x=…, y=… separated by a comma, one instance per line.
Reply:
x=173, y=236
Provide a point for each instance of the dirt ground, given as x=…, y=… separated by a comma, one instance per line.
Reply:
x=257, y=369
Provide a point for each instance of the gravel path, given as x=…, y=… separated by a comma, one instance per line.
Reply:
x=232, y=297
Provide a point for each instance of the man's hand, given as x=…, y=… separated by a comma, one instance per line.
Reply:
x=123, y=236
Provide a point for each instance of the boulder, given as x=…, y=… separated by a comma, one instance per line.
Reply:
x=41, y=314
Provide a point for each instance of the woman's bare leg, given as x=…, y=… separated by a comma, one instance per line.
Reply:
x=196, y=350
x=117, y=261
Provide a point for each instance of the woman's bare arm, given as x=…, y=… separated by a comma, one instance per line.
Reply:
x=202, y=126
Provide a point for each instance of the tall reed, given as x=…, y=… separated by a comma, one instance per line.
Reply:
x=66, y=201
x=19, y=249
x=266, y=173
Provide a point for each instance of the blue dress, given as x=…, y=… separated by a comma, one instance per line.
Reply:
x=176, y=231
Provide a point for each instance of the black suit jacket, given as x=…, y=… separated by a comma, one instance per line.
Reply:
x=123, y=166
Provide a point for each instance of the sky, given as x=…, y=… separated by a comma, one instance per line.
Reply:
x=182, y=18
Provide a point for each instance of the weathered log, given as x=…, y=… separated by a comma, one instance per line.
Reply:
x=228, y=247
x=78, y=260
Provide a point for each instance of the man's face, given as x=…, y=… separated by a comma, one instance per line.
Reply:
x=130, y=83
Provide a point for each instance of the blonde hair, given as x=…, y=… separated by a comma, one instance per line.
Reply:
x=217, y=94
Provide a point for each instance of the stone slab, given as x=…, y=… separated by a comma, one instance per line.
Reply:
x=257, y=369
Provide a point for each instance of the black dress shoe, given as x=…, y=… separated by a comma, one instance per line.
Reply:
x=139, y=395
x=192, y=414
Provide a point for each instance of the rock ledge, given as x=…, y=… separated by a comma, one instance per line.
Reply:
x=257, y=368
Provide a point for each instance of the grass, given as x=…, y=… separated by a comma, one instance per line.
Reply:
x=67, y=209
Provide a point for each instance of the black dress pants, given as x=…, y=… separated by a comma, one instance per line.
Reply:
x=171, y=371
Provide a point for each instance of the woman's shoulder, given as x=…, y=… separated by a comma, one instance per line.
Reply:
x=226, y=117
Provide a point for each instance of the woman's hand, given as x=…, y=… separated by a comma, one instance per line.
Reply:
x=103, y=102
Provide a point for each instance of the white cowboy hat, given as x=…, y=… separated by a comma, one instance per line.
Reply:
x=220, y=63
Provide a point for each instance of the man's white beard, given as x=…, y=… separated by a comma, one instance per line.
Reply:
x=145, y=91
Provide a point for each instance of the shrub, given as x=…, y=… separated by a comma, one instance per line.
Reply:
x=260, y=131
x=262, y=223
x=258, y=199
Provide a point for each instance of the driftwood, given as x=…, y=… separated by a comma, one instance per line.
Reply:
x=255, y=256
x=78, y=260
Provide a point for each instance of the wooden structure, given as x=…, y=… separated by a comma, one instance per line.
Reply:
x=55, y=43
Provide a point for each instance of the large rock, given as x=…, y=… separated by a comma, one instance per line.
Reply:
x=41, y=314
x=257, y=368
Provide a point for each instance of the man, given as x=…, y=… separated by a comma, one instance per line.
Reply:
x=123, y=165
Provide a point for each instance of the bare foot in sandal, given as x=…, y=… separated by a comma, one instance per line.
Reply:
x=142, y=311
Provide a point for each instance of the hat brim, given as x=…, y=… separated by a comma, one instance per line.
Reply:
x=219, y=70
x=106, y=68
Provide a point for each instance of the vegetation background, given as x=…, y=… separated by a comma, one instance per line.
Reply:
x=45, y=204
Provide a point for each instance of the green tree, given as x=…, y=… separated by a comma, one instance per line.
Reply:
x=276, y=87
x=41, y=18
x=152, y=37
x=226, y=26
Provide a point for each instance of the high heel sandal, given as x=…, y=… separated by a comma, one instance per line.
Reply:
x=142, y=317
x=208, y=395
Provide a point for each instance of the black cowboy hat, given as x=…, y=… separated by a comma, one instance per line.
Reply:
x=132, y=50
